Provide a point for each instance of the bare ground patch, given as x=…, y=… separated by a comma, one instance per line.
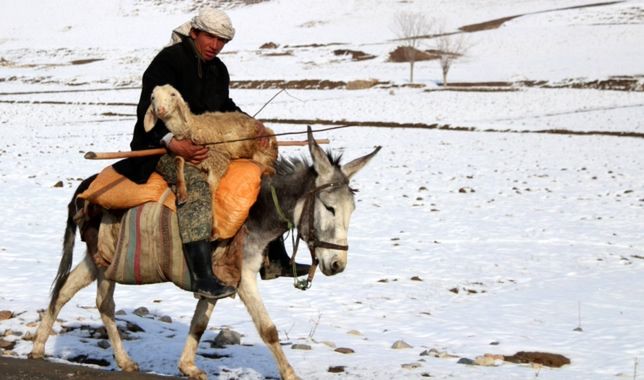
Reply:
x=613, y=83
x=496, y=23
x=339, y=124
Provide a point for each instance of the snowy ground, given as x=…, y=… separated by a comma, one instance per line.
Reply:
x=464, y=242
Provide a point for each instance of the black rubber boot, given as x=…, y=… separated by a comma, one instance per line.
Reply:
x=199, y=260
x=277, y=263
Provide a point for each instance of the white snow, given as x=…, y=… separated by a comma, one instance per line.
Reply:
x=540, y=233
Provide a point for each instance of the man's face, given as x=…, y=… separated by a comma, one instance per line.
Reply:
x=208, y=45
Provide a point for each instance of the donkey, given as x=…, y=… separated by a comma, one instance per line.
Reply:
x=315, y=197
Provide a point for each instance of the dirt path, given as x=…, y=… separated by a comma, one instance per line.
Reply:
x=24, y=369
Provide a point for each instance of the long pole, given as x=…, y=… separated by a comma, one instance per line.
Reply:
x=160, y=151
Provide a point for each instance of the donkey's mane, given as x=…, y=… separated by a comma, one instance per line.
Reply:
x=288, y=166
x=294, y=175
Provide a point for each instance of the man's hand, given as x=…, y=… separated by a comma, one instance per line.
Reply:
x=191, y=152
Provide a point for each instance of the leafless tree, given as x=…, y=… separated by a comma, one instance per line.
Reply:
x=450, y=46
x=411, y=27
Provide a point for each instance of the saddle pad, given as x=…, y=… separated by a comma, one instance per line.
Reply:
x=143, y=246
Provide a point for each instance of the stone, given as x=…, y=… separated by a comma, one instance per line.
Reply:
x=7, y=345
x=465, y=361
x=400, y=344
x=141, y=311
x=166, y=319
x=344, y=350
x=29, y=336
x=5, y=314
x=336, y=369
x=354, y=332
x=411, y=365
x=104, y=344
x=328, y=343
x=133, y=327
x=300, y=346
x=226, y=337
x=486, y=361
x=543, y=358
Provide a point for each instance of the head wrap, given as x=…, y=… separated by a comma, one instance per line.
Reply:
x=213, y=21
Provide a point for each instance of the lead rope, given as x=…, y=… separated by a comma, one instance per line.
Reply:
x=302, y=284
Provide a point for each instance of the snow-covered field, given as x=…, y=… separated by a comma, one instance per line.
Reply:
x=463, y=242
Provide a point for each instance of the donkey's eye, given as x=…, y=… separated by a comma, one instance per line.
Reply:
x=329, y=209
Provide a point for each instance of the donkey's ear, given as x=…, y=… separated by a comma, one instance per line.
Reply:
x=351, y=168
x=321, y=162
x=150, y=119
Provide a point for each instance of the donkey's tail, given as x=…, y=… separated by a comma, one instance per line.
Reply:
x=68, y=244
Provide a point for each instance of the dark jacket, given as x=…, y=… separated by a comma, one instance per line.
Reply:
x=203, y=85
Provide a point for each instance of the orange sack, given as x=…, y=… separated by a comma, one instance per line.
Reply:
x=235, y=195
x=111, y=190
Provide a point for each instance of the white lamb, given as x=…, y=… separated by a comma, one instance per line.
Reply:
x=210, y=129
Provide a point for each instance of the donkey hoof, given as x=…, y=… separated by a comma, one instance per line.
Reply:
x=129, y=366
x=36, y=355
x=193, y=372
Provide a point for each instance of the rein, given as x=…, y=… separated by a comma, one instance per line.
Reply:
x=312, y=240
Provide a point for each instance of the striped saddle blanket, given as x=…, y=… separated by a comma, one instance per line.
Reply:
x=143, y=246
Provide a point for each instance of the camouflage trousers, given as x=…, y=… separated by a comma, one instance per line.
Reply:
x=195, y=216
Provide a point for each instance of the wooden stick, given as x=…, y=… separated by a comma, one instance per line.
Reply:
x=130, y=154
x=301, y=143
x=159, y=151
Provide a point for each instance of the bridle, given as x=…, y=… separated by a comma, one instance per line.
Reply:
x=312, y=240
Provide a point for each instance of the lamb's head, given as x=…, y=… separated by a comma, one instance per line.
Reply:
x=167, y=104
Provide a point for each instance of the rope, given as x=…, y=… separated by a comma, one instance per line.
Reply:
x=280, y=134
x=280, y=212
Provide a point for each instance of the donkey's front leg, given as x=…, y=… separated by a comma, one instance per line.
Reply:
x=250, y=296
x=105, y=305
x=197, y=327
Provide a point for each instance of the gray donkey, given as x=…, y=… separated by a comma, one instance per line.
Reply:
x=315, y=197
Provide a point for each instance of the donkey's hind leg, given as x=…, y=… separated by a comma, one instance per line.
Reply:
x=199, y=323
x=105, y=305
x=81, y=276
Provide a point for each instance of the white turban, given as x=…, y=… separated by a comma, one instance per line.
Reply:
x=213, y=21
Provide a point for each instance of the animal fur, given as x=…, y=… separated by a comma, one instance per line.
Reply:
x=210, y=129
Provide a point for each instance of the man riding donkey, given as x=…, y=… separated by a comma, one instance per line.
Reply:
x=192, y=67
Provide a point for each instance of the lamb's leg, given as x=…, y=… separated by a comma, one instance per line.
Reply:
x=197, y=327
x=81, y=276
x=182, y=190
x=105, y=304
x=249, y=294
x=214, y=177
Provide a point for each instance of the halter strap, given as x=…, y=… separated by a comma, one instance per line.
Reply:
x=312, y=240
